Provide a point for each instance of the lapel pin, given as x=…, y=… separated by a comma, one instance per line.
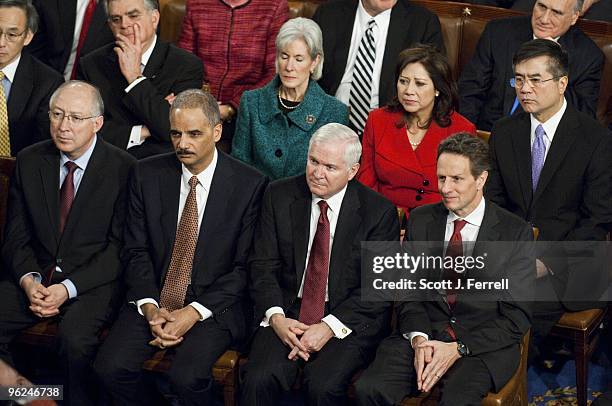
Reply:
x=310, y=119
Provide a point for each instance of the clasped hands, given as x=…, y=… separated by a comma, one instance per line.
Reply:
x=431, y=360
x=44, y=301
x=169, y=328
x=301, y=338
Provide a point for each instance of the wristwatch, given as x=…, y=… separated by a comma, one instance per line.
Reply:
x=463, y=350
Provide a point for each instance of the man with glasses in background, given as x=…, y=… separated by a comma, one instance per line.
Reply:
x=486, y=86
x=550, y=165
x=138, y=76
x=26, y=83
x=62, y=238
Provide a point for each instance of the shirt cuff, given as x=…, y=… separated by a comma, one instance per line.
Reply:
x=204, y=312
x=269, y=313
x=144, y=301
x=134, y=83
x=37, y=277
x=410, y=336
x=339, y=329
x=135, y=137
x=72, y=290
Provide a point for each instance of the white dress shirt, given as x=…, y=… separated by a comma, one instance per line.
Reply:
x=146, y=55
x=202, y=190
x=469, y=233
x=334, y=203
x=550, y=127
x=9, y=76
x=81, y=7
x=380, y=36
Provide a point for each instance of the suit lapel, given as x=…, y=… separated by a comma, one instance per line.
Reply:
x=394, y=45
x=521, y=143
x=169, y=186
x=488, y=229
x=436, y=229
x=523, y=35
x=565, y=136
x=156, y=61
x=345, y=22
x=114, y=75
x=67, y=16
x=96, y=27
x=49, y=177
x=21, y=88
x=348, y=222
x=300, y=224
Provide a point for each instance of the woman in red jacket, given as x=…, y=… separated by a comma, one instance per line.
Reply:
x=400, y=140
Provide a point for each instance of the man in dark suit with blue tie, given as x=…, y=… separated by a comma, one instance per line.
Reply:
x=191, y=219
x=61, y=243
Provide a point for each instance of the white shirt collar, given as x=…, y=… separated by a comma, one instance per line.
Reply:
x=334, y=202
x=205, y=177
x=10, y=69
x=146, y=55
x=550, y=126
x=382, y=19
x=474, y=218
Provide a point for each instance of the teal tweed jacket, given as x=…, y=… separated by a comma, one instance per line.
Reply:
x=276, y=144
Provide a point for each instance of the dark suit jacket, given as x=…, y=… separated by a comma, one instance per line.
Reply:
x=484, y=86
x=28, y=102
x=219, y=276
x=573, y=200
x=88, y=250
x=409, y=25
x=53, y=40
x=169, y=70
x=492, y=330
x=278, y=260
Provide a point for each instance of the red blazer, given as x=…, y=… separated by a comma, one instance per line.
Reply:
x=390, y=166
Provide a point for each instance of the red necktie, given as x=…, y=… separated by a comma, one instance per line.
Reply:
x=67, y=194
x=454, y=249
x=178, y=277
x=89, y=12
x=315, y=284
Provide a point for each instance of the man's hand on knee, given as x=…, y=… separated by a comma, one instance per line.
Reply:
x=289, y=331
x=444, y=356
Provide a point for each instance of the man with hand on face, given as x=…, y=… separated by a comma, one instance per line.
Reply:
x=139, y=76
x=66, y=210
x=469, y=344
x=185, y=254
x=486, y=85
x=305, y=276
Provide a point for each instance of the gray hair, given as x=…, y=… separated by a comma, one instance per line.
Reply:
x=309, y=32
x=28, y=9
x=336, y=132
x=579, y=5
x=96, y=97
x=149, y=4
x=198, y=99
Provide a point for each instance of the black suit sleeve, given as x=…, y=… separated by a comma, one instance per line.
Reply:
x=476, y=77
x=140, y=275
x=353, y=311
x=17, y=252
x=494, y=188
x=265, y=263
x=145, y=101
x=229, y=288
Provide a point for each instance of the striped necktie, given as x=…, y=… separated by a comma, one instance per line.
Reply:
x=5, y=141
x=361, y=84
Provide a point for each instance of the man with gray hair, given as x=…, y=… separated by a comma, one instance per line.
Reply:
x=487, y=84
x=139, y=75
x=191, y=219
x=306, y=276
x=66, y=210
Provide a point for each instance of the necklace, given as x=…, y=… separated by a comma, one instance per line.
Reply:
x=280, y=100
x=414, y=144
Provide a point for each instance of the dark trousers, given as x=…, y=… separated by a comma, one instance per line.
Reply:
x=326, y=376
x=120, y=359
x=80, y=322
x=391, y=377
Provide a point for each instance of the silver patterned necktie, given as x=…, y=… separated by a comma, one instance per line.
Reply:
x=538, y=152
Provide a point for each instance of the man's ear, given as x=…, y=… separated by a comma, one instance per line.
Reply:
x=353, y=170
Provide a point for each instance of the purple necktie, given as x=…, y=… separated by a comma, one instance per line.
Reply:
x=538, y=151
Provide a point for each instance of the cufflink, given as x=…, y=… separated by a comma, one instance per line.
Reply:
x=344, y=331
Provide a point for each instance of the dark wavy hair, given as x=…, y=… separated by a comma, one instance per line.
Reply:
x=439, y=71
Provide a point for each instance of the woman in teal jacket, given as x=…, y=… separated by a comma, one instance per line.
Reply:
x=276, y=121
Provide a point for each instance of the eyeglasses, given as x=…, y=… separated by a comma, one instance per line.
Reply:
x=518, y=83
x=12, y=36
x=58, y=117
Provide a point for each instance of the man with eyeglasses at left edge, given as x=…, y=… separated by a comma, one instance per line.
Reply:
x=26, y=83
x=60, y=252
x=139, y=76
